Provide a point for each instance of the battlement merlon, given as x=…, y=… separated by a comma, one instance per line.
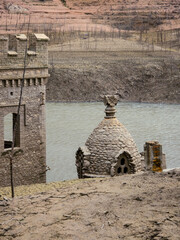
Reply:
x=37, y=53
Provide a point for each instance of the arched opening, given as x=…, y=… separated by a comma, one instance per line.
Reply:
x=79, y=162
x=11, y=123
x=124, y=164
x=122, y=161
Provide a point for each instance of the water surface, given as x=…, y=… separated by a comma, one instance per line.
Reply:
x=70, y=124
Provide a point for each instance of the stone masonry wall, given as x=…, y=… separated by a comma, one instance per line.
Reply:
x=105, y=143
x=29, y=160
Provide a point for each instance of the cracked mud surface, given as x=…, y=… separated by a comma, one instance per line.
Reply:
x=142, y=206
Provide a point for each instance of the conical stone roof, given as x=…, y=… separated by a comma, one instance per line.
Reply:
x=110, y=149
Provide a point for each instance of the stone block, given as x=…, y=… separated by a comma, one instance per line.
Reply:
x=153, y=156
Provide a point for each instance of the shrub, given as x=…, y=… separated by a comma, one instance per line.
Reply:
x=64, y=2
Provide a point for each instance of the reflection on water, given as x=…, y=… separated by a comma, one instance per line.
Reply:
x=70, y=124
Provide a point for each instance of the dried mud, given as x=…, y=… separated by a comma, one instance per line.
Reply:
x=133, y=71
x=143, y=206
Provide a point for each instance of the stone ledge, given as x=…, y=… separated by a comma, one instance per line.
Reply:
x=31, y=53
x=41, y=37
x=7, y=150
x=3, y=38
x=5, y=68
x=12, y=53
x=26, y=77
x=21, y=37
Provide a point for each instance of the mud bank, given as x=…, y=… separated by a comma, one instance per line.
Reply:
x=143, y=206
x=137, y=76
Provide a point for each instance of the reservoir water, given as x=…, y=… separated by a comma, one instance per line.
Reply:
x=68, y=126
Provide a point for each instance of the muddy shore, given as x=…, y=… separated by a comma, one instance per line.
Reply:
x=137, y=75
x=143, y=206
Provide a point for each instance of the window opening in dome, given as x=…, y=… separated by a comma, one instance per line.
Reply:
x=122, y=161
x=123, y=166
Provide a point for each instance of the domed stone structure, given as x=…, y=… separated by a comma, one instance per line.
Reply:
x=110, y=149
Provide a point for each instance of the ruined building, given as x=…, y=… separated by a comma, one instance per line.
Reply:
x=154, y=158
x=110, y=149
x=29, y=161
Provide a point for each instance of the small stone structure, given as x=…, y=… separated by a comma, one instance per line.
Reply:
x=110, y=149
x=29, y=161
x=154, y=159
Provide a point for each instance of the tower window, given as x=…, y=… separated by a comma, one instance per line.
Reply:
x=11, y=121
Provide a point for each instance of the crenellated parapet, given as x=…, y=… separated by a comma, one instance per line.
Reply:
x=12, y=51
x=12, y=60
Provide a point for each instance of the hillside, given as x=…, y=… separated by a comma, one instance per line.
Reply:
x=133, y=14
x=77, y=14
x=97, y=46
x=85, y=68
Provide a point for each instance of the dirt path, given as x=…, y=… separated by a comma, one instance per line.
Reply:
x=143, y=206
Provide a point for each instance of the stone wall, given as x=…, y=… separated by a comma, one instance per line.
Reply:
x=14, y=60
x=110, y=149
x=106, y=143
x=29, y=160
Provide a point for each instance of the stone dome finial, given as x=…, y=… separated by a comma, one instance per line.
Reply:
x=110, y=101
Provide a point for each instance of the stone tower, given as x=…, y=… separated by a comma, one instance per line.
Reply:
x=29, y=161
x=110, y=149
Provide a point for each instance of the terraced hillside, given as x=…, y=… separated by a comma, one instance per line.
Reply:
x=127, y=46
x=44, y=15
x=78, y=14
x=133, y=14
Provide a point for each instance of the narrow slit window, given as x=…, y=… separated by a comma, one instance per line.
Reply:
x=11, y=122
x=8, y=131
